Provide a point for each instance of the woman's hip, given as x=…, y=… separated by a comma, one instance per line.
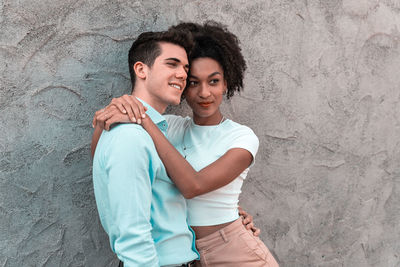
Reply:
x=234, y=245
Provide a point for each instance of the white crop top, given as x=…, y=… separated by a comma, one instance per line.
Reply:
x=204, y=145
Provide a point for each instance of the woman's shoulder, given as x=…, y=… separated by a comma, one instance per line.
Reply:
x=241, y=136
x=237, y=128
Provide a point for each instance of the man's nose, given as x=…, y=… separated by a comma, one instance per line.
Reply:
x=181, y=73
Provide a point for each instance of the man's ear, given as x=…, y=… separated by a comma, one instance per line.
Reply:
x=140, y=70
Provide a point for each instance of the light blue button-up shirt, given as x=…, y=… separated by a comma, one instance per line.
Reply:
x=142, y=211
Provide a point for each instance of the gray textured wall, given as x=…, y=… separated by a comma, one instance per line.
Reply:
x=322, y=93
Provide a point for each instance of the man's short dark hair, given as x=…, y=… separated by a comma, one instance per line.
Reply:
x=146, y=48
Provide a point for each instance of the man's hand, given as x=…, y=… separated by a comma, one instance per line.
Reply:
x=248, y=222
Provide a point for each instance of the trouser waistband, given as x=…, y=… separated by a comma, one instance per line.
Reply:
x=221, y=236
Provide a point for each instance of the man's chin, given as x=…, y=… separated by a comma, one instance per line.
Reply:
x=175, y=102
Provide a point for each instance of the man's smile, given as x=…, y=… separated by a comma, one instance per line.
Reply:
x=176, y=85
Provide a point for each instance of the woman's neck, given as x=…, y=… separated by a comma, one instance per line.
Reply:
x=211, y=120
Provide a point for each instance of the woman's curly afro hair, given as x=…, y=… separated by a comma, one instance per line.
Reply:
x=213, y=40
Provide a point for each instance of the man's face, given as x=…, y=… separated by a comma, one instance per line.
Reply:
x=166, y=79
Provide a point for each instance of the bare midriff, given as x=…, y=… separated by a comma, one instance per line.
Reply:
x=203, y=231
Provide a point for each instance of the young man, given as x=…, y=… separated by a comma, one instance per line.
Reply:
x=141, y=210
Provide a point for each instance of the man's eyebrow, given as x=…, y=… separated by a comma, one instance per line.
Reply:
x=178, y=61
x=173, y=59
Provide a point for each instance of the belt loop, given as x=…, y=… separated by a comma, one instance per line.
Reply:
x=222, y=233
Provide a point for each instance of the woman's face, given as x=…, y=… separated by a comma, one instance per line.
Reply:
x=205, y=90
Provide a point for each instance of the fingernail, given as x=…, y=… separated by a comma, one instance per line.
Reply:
x=143, y=116
x=133, y=119
x=124, y=111
x=139, y=121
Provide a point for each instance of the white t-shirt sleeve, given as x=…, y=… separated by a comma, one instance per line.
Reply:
x=246, y=139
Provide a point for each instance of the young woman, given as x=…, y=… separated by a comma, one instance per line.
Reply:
x=207, y=156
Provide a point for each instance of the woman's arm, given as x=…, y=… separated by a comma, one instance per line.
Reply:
x=190, y=182
x=95, y=139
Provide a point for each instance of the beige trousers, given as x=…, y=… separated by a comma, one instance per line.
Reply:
x=233, y=246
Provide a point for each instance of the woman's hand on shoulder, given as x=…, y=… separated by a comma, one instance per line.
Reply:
x=121, y=110
x=129, y=104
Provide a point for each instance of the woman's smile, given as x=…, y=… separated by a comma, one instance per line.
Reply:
x=205, y=104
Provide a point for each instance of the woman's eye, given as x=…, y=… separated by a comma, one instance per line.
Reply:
x=214, y=81
x=171, y=63
x=192, y=83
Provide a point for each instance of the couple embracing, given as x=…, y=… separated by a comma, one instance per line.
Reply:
x=167, y=187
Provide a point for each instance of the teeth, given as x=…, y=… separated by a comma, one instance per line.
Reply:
x=176, y=86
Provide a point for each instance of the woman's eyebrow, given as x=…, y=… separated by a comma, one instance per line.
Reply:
x=212, y=74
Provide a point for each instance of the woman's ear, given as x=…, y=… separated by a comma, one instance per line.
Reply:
x=140, y=70
x=225, y=87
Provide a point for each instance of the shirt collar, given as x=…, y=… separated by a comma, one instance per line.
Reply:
x=155, y=116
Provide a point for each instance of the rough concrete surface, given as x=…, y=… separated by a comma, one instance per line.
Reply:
x=322, y=92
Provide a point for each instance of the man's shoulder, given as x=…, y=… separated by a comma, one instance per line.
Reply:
x=125, y=129
x=127, y=134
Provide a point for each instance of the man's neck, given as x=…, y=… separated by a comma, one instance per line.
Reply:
x=146, y=97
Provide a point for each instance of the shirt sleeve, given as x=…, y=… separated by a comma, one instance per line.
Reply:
x=129, y=192
x=245, y=138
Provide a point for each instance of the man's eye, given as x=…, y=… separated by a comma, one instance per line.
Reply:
x=171, y=63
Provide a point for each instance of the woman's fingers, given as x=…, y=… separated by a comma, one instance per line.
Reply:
x=114, y=119
x=142, y=108
x=127, y=105
x=97, y=113
x=135, y=108
x=248, y=222
x=109, y=112
x=256, y=231
x=102, y=118
x=119, y=103
x=249, y=226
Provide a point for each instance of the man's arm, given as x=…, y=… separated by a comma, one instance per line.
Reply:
x=129, y=193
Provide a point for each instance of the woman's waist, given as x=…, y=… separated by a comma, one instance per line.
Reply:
x=206, y=207
x=217, y=234
x=203, y=231
x=210, y=216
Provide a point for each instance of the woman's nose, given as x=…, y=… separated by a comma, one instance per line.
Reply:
x=204, y=91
